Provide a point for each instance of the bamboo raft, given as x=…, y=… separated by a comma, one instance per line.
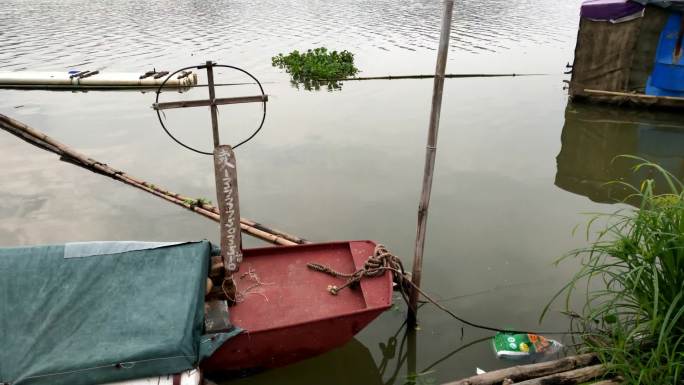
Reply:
x=580, y=369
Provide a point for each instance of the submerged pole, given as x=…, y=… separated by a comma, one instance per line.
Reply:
x=430, y=152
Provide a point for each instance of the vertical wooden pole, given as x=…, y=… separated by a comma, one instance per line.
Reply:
x=225, y=169
x=225, y=172
x=213, y=107
x=430, y=153
x=411, y=355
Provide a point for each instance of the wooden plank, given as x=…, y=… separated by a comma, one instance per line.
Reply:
x=633, y=95
x=616, y=97
x=229, y=207
x=205, y=103
x=525, y=372
x=572, y=377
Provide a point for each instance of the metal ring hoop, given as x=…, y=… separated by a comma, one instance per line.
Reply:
x=263, y=116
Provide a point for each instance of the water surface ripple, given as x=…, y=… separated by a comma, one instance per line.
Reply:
x=131, y=34
x=516, y=163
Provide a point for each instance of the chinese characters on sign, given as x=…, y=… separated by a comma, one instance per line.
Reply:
x=227, y=194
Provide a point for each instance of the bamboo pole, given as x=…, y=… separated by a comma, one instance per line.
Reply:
x=526, y=372
x=430, y=76
x=430, y=153
x=69, y=155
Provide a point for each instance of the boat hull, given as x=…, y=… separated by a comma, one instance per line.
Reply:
x=293, y=316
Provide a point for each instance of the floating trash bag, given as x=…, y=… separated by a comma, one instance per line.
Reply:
x=522, y=345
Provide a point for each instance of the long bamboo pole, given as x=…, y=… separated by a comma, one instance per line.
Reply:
x=430, y=153
x=429, y=76
x=69, y=155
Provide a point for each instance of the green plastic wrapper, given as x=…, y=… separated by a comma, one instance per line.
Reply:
x=521, y=345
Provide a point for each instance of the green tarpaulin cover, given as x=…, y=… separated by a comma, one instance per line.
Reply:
x=98, y=313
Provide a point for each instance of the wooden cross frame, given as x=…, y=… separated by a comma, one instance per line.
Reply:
x=225, y=171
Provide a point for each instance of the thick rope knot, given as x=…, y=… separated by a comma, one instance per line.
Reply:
x=375, y=266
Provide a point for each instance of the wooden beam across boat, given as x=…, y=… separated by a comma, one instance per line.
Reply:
x=206, y=102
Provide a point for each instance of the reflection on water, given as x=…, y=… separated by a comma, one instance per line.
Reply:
x=354, y=364
x=592, y=138
x=350, y=364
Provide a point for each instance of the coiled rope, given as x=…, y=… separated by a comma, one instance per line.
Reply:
x=380, y=262
x=376, y=265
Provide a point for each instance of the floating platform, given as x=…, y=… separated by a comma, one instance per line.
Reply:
x=629, y=54
x=94, y=80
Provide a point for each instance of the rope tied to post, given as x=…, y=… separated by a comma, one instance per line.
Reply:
x=380, y=262
x=376, y=265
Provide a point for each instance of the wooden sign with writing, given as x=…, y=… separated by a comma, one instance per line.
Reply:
x=229, y=207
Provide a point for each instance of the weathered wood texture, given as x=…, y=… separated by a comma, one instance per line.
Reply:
x=616, y=57
x=225, y=168
x=627, y=98
x=603, y=55
x=572, y=377
x=430, y=153
x=526, y=372
x=69, y=155
x=206, y=102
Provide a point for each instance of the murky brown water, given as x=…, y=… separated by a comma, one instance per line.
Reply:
x=516, y=166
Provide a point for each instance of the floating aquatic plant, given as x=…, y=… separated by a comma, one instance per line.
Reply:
x=317, y=67
x=633, y=316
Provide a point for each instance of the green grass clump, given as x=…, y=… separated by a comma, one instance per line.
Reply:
x=633, y=316
x=317, y=67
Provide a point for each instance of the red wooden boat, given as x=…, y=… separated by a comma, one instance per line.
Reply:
x=294, y=316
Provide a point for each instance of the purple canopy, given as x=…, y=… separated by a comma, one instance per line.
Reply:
x=609, y=9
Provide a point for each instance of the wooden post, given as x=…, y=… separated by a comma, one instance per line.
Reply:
x=430, y=153
x=225, y=171
x=411, y=355
x=229, y=207
x=212, y=106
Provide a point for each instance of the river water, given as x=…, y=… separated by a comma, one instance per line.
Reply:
x=516, y=165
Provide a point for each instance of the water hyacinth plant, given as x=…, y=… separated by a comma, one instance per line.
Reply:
x=633, y=316
x=317, y=67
